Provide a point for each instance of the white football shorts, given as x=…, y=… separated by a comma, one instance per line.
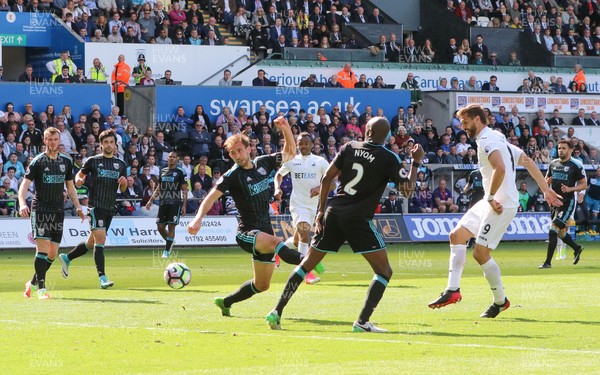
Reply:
x=487, y=226
x=302, y=214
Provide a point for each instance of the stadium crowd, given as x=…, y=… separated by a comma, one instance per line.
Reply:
x=199, y=141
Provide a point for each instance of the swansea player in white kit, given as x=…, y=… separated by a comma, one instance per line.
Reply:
x=306, y=171
x=488, y=220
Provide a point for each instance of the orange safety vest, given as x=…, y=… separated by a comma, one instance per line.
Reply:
x=120, y=77
x=580, y=79
x=347, y=79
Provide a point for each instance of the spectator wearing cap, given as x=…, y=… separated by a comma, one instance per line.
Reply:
x=140, y=69
x=392, y=204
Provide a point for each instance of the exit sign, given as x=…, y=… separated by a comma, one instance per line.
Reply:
x=13, y=40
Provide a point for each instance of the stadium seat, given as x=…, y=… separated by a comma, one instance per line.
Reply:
x=483, y=21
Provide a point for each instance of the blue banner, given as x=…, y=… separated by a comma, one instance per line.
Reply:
x=526, y=226
x=26, y=29
x=79, y=96
x=276, y=99
x=390, y=226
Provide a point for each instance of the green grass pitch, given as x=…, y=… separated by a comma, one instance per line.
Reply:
x=142, y=326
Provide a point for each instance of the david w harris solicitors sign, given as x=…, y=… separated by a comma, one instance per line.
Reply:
x=436, y=228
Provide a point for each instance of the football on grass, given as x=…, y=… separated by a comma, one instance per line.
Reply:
x=177, y=275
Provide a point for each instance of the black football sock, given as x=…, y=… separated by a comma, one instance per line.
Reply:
x=374, y=295
x=288, y=255
x=41, y=266
x=49, y=263
x=552, y=240
x=569, y=241
x=169, y=243
x=294, y=281
x=34, y=279
x=79, y=250
x=99, y=259
x=245, y=291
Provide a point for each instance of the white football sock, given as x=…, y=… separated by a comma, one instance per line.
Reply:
x=458, y=257
x=491, y=272
x=303, y=247
x=290, y=243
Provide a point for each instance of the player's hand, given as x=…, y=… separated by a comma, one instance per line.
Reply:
x=183, y=211
x=417, y=153
x=580, y=198
x=564, y=188
x=80, y=214
x=496, y=206
x=319, y=222
x=278, y=194
x=194, y=227
x=24, y=211
x=281, y=123
x=149, y=204
x=552, y=198
x=79, y=181
x=315, y=191
x=122, y=180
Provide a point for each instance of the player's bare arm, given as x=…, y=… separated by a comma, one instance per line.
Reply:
x=23, y=209
x=326, y=182
x=551, y=197
x=122, y=183
x=194, y=225
x=498, y=172
x=406, y=188
x=184, y=193
x=153, y=197
x=289, y=147
x=277, y=184
x=72, y=192
x=581, y=186
x=80, y=179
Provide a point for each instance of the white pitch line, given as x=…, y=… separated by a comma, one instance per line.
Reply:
x=315, y=337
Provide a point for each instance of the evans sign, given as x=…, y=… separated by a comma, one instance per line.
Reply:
x=436, y=228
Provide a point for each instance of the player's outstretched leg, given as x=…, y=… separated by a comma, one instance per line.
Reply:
x=577, y=249
x=383, y=273
x=245, y=291
x=311, y=278
x=288, y=255
x=293, y=283
x=65, y=259
x=552, y=241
